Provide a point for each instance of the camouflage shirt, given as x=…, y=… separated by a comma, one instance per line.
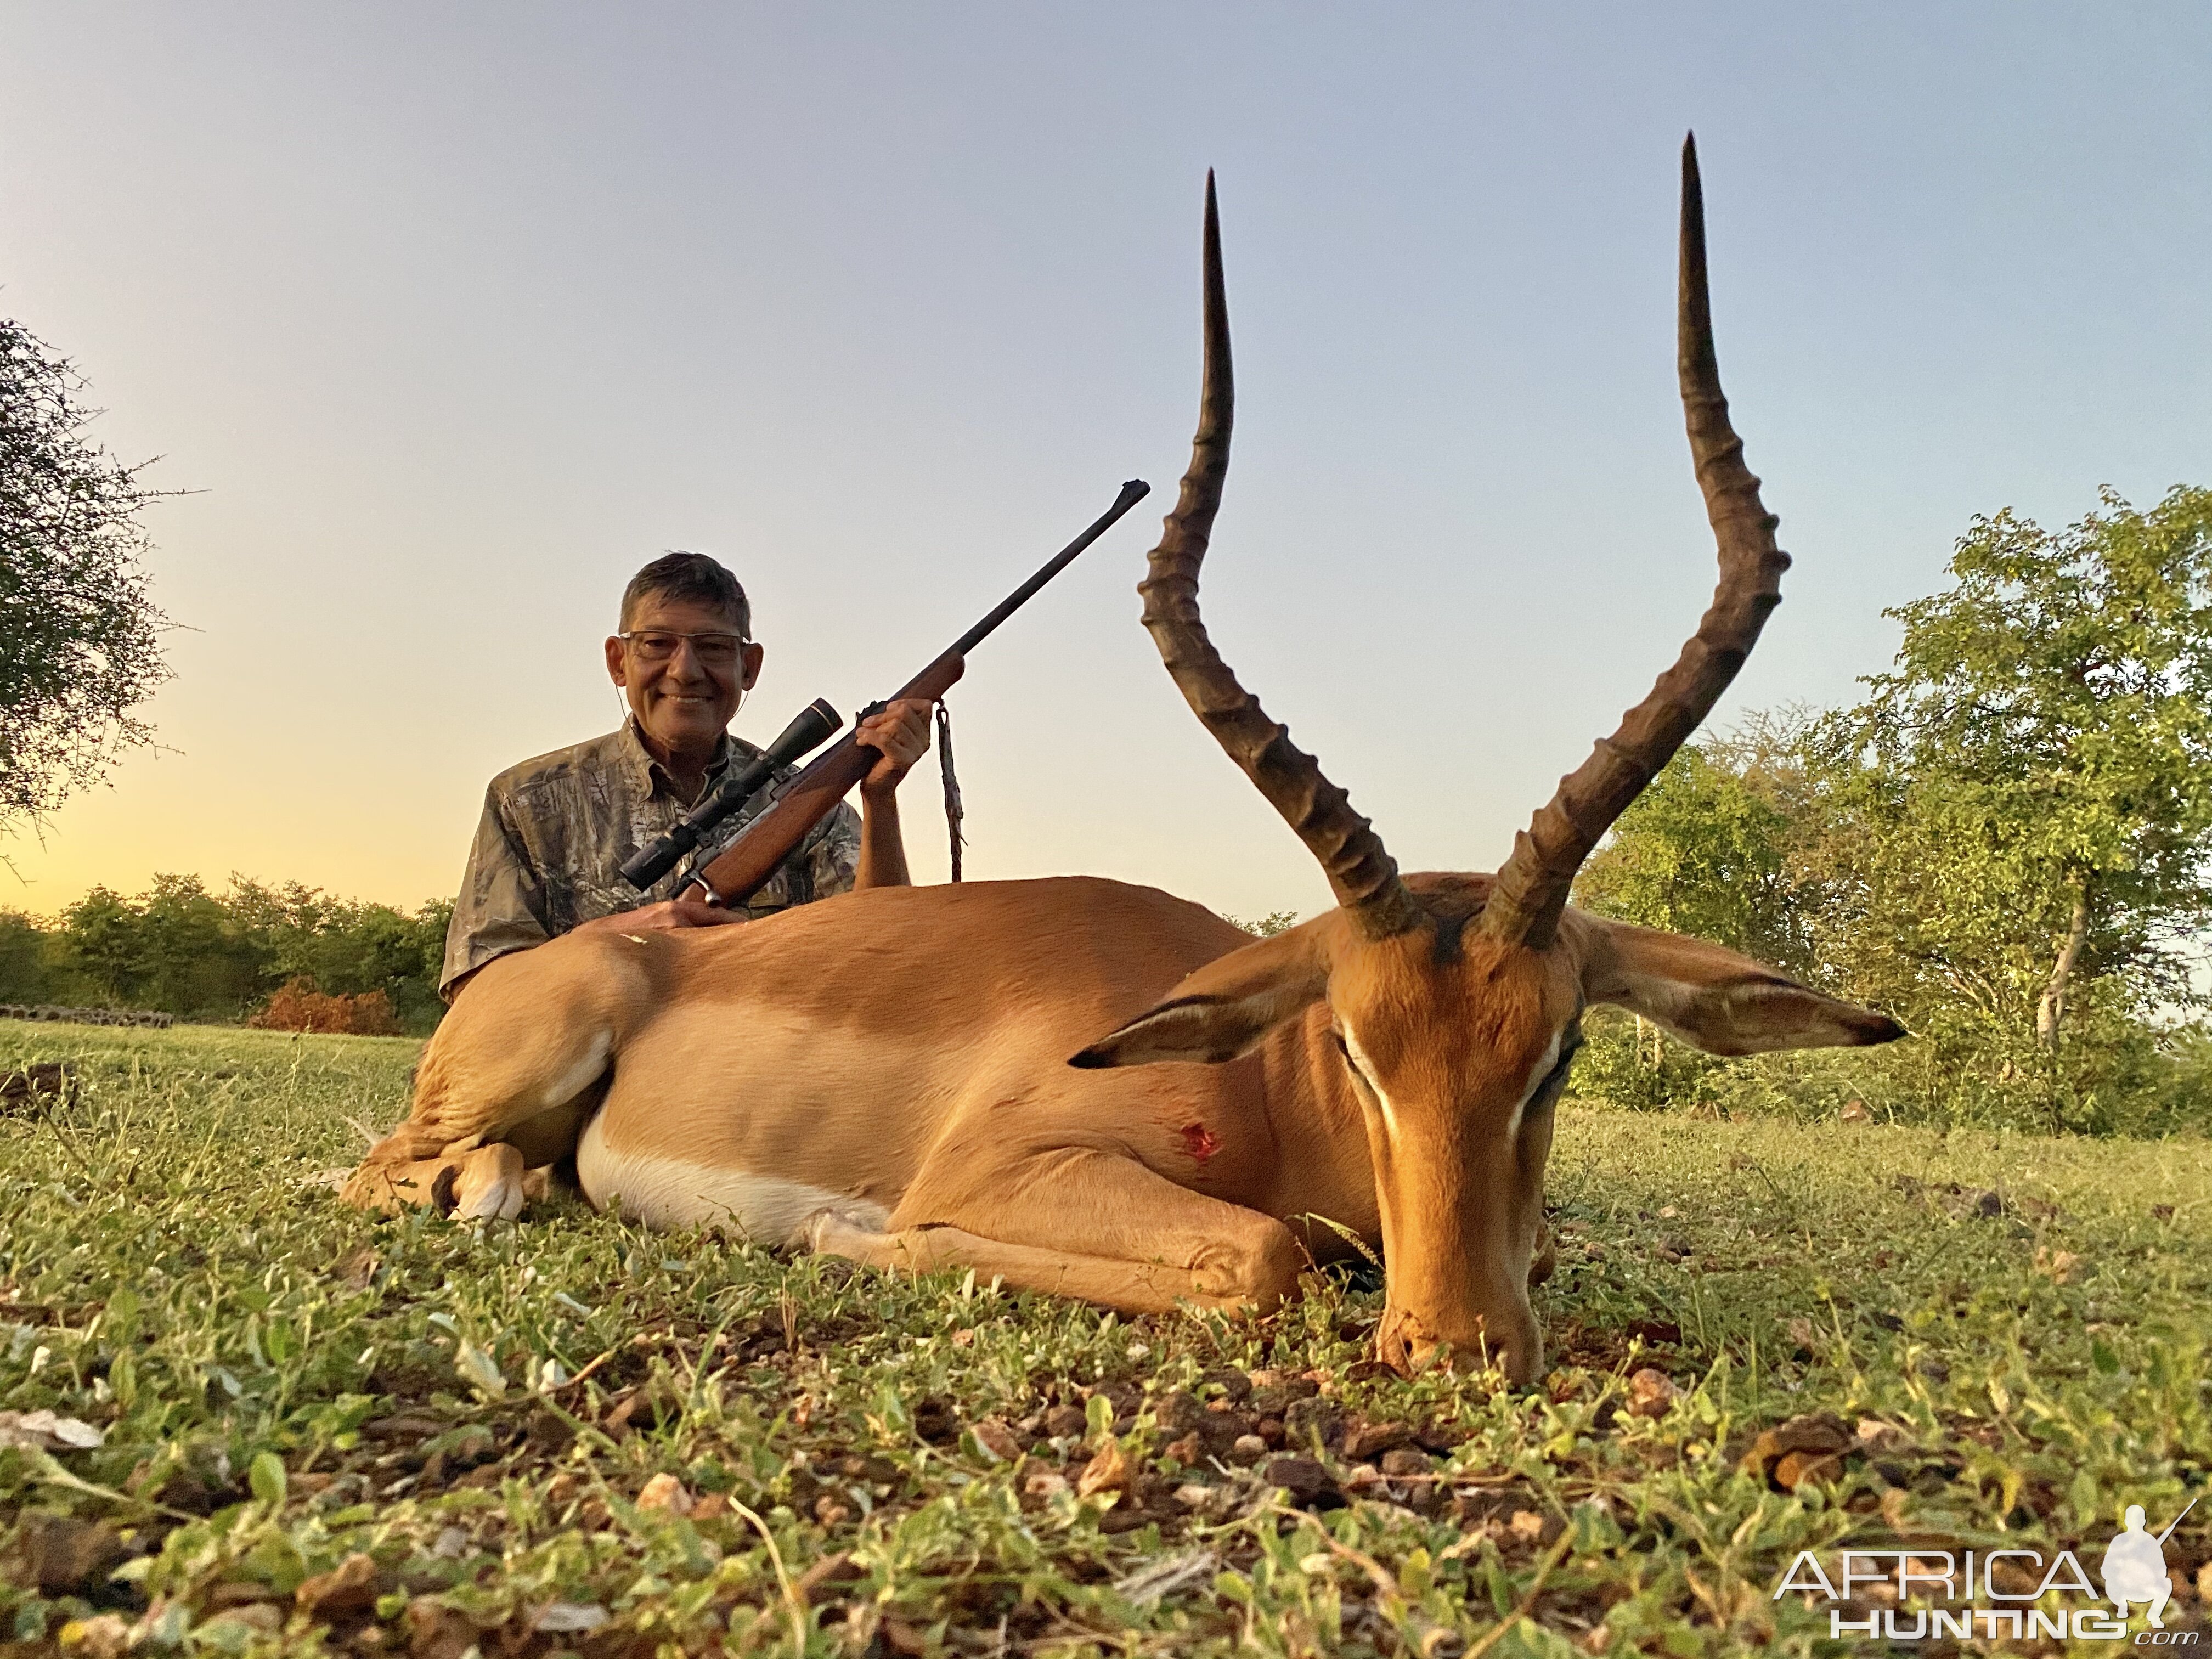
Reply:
x=555, y=831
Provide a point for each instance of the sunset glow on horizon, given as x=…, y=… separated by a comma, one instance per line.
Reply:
x=446, y=321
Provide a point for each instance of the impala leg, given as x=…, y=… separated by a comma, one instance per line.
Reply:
x=1122, y=1237
x=522, y=1057
x=488, y=1182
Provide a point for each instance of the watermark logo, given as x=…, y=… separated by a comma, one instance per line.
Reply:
x=1982, y=1594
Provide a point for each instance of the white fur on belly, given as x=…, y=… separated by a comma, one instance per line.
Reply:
x=668, y=1192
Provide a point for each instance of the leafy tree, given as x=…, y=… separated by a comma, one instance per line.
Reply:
x=24, y=977
x=102, y=944
x=2002, y=846
x=1705, y=851
x=2047, y=730
x=79, y=635
x=208, y=955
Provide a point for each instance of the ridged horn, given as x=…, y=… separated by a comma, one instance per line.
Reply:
x=1531, y=890
x=1360, y=871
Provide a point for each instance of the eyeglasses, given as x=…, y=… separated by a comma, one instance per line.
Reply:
x=713, y=650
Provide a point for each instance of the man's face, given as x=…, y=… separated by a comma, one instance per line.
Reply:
x=684, y=697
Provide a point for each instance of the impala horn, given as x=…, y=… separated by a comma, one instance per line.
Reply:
x=1530, y=891
x=1361, y=873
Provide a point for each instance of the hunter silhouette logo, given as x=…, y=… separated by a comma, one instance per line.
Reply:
x=1987, y=1593
x=2134, y=1569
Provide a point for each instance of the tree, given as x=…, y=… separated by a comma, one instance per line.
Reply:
x=2047, y=733
x=1704, y=850
x=79, y=635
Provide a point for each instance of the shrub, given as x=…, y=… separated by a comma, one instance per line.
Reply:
x=298, y=1005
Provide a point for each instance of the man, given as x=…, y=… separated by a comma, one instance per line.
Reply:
x=556, y=830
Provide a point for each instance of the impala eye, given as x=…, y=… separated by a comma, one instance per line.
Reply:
x=1352, y=1065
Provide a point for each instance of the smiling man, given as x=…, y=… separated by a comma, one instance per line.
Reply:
x=556, y=830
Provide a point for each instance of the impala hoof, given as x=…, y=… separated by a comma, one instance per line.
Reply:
x=490, y=1185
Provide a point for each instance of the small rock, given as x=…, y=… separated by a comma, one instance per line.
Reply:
x=105, y=1636
x=453, y=1543
x=1188, y=1451
x=1066, y=1422
x=1527, y=1524
x=1232, y=1382
x=995, y=1435
x=346, y=1590
x=1876, y=1436
x=1811, y=1440
x=1310, y=1420
x=1988, y=1205
x=1306, y=1480
x=1402, y=1460
x=1108, y=1471
x=665, y=1495
x=1366, y=1442
x=1802, y=1336
x=1651, y=1392
x=1045, y=1483
x=64, y=1554
x=825, y=1575
x=1192, y=1495
x=1248, y=1449
x=710, y=1505
x=570, y=1617
x=1793, y=1469
x=1178, y=1413
x=435, y=1630
x=901, y=1637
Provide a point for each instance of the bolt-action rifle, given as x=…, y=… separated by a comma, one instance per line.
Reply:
x=747, y=864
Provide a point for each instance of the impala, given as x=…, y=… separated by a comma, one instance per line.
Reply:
x=1103, y=1091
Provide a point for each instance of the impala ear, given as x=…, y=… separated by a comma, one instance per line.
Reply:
x=1222, y=1009
x=1723, y=1003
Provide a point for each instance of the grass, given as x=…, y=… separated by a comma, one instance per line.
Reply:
x=455, y=1437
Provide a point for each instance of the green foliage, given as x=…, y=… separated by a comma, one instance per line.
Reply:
x=1267, y=926
x=1705, y=851
x=24, y=976
x=283, y=1383
x=2003, y=846
x=80, y=637
x=206, y=956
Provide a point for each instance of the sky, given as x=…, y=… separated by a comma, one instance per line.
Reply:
x=450, y=317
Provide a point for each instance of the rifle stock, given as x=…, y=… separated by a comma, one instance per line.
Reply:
x=746, y=865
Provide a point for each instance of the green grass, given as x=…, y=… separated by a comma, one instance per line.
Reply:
x=284, y=1385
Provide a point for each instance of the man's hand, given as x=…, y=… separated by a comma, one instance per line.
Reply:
x=901, y=731
x=666, y=917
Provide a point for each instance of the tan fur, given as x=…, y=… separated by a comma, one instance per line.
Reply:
x=902, y=1055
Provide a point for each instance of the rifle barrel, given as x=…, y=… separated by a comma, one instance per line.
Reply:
x=1132, y=492
x=747, y=864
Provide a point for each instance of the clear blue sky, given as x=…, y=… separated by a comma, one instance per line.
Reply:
x=455, y=315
